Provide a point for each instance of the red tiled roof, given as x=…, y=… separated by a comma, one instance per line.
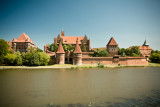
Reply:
x=23, y=38
x=71, y=39
x=103, y=48
x=60, y=49
x=77, y=47
x=144, y=47
x=112, y=42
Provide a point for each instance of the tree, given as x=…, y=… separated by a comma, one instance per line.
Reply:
x=10, y=59
x=155, y=57
x=83, y=47
x=44, y=58
x=53, y=47
x=35, y=59
x=18, y=60
x=39, y=50
x=121, y=51
x=100, y=53
x=4, y=49
x=135, y=50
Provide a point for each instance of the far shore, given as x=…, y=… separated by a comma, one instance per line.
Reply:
x=74, y=66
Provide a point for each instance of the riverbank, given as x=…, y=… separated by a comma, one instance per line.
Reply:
x=73, y=66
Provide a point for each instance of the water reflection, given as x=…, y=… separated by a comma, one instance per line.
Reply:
x=80, y=87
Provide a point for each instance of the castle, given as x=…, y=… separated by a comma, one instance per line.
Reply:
x=21, y=43
x=77, y=57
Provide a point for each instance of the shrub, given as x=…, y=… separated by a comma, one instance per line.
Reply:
x=155, y=58
x=4, y=49
x=18, y=60
x=10, y=59
x=100, y=53
x=100, y=65
x=44, y=58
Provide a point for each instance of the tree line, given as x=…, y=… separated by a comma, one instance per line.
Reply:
x=33, y=57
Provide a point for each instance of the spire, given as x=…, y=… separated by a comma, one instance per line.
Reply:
x=14, y=39
x=60, y=48
x=112, y=42
x=145, y=43
x=77, y=48
x=62, y=33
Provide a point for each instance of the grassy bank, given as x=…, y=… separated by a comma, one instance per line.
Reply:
x=74, y=66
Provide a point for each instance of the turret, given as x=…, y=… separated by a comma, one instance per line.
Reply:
x=112, y=47
x=60, y=55
x=145, y=43
x=62, y=33
x=77, y=55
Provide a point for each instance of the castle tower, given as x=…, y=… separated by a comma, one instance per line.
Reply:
x=60, y=55
x=62, y=33
x=77, y=55
x=145, y=43
x=112, y=47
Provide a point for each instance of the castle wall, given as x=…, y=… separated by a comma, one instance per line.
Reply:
x=129, y=61
x=86, y=54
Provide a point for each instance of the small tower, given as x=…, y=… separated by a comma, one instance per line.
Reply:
x=112, y=47
x=62, y=33
x=77, y=55
x=145, y=43
x=60, y=55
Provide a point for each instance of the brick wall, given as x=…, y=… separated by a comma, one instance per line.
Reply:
x=130, y=61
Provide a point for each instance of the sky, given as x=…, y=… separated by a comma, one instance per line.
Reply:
x=130, y=22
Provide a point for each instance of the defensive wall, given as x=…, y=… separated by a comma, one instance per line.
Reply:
x=129, y=61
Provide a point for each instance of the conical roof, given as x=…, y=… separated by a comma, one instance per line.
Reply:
x=145, y=43
x=112, y=42
x=77, y=48
x=60, y=48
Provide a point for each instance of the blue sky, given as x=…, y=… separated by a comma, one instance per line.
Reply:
x=128, y=21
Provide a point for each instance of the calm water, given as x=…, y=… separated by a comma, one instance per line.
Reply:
x=80, y=87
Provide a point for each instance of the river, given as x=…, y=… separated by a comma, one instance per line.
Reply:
x=97, y=87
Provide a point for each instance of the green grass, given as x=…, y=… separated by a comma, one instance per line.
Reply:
x=75, y=66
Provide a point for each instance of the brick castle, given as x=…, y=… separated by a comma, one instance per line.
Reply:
x=77, y=57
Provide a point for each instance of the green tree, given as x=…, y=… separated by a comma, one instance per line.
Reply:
x=100, y=53
x=155, y=57
x=44, y=58
x=71, y=47
x=18, y=60
x=39, y=50
x=121, y=51
x=4, y=49
x=35, y=59
x=53, y=47
x=10, y=59
x=83, y=47
x=135, y=50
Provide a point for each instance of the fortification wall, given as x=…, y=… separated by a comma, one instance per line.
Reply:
x=86, y=54
x=130, y=61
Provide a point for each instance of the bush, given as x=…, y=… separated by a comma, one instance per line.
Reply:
x=100, y=53
x=4, y=49
x=155, y=58
x=100, y=65
x=18, y=60
x=10, y=59
x=133, y=51
x=44, y=58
